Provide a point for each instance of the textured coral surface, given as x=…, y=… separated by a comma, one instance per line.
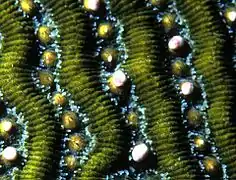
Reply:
x=117, y=89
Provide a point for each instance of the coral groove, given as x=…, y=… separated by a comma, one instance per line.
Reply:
x=210, y=39
x=144, y=66
x=17, y=87
x=80, y=76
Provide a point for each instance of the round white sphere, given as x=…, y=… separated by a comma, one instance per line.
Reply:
x=175, y=43
x=7, y=126
x=91, y=4
x=231, y=16
x=118, y=78
x=9, y=153
x=187, y=88
x=139, y=152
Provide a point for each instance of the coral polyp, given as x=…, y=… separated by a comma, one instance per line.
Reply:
x=117, y=89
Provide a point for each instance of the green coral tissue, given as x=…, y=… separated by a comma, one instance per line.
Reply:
x=109, y=89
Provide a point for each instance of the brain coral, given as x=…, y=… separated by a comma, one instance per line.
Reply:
x=108, y=89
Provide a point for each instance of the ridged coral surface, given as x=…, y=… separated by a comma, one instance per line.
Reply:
x=210, y=37
x=18, y=89
x=95, y=90
x=154, y=89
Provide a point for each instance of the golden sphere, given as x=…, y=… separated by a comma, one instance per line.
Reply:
x=212, y=165
x=230, y=15
x=71, y=162
x=168, y=21
x=46, y=78
x=44, y=34
x=59, y=99
x=69, y=120
x=49, y=58
x=200, y=143
x=7, y=127
x=109, y=55
x=28, y=6
x=105, y=30
x=179, y=68
x=194, y=117
x=76, y=143
x=133, y=118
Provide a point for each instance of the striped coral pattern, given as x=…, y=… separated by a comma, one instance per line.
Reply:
x=79, y=75
x=210, y=37
x=17, y=86
x=105, y=123
x=154, y=89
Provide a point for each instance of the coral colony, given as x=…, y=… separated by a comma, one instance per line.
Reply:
x=117, y=89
